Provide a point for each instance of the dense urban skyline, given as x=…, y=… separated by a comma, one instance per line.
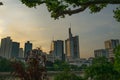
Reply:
x=24, y=24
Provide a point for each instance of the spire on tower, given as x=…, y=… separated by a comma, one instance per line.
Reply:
x=70, y=34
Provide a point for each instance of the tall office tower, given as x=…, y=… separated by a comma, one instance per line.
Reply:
x=110, y=45
x=15, y=50
x=21, y=53
x=0, y=52
x=6, y=45
x=27, y=48
x=72, y=46
x=58, y=49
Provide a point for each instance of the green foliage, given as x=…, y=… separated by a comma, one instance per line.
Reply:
x=84, y=66
x=117, y=14
x=100, y=60
x=49, y=66
x=75, y=68
x=31, y=3
x=96, y=7
x=101, y=69
x=60, y=8
x=67, y=75
x=61, y=65
x=5, y=65
x=1, y=3
x=117, y=58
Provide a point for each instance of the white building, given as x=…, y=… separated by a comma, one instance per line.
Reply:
x=80, y=62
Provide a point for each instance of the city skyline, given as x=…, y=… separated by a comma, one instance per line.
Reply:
x=35, y=25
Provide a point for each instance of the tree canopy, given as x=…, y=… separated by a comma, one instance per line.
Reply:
x=101, y=69
x=117, y=58
x=5, y=65
x=60, y=8
x=66, y=75
x=1, y=3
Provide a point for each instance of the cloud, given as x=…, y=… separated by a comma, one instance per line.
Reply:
x=2, y=26
x=23, y=23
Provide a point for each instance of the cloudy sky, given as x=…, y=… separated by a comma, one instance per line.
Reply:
x=36, y=25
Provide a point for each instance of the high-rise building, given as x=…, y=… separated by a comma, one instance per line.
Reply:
x=101, y=53
x=110, y=45
x=6, y=46
x=27, y=48
x=0, y=52
x=76, y=46
x=21, y=53
x=58, y=49
x=15, y=50
x=72, y=46
x=67, y=48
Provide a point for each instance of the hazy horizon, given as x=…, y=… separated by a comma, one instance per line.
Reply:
x=35, y=25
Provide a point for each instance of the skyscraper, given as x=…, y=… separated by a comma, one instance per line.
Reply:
x=6, y=45
x=0, y=51
x=110, y=45
x=27, y=48
x=21, y=53
x=76, y=46
x=58, y=49
x=72, y=46
x=15, y=50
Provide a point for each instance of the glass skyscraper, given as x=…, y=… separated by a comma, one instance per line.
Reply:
x=6, y=45
x=58, y=49
x=15, y=49
x=72, y=46
x=27, y=48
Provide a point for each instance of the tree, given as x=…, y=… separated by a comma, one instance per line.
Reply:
x=101, y=69
x=5, y=65
x=34, y=68
x=117, y=58
x=67, y=75
x=60, y=8
x=83, y=66
x=1, y=3
x=61, y=65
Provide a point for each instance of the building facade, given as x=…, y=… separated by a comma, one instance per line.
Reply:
x=110, y=45
x=6, y=47
x=15, y=50
x=21, y=53
x=58, y=49
x=101, y=53
x=72, y=46
x=27, y=48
